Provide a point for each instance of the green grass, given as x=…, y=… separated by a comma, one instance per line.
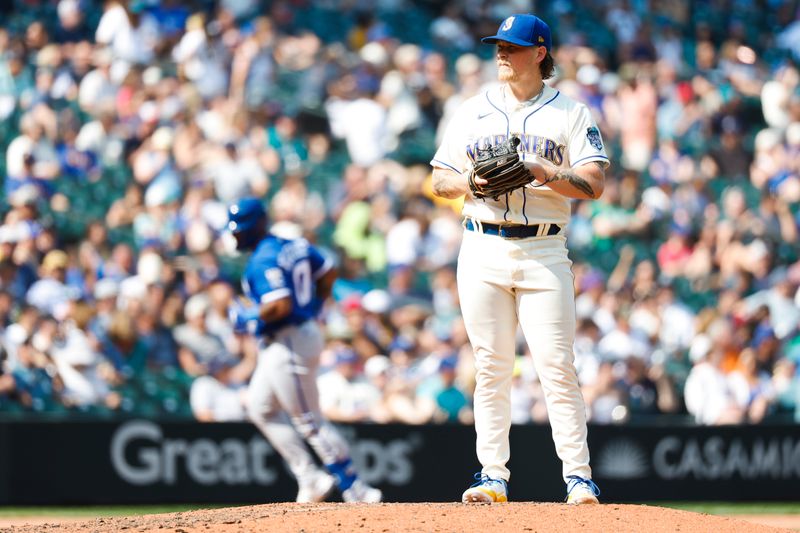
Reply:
x=732, y=508
x=102, y=510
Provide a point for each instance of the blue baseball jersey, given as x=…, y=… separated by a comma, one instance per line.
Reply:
x=279, y=268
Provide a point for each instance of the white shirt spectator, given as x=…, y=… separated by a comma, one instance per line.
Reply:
x=602, y=316
x=12, y=338
x=707, y=394
x=619, y=344
x=677, y=327
x=96, y=87
x=744, y=392
x=521, y=401
x=362, y=123
x=403, y=242
x=404, y=113
x=42, y=150
x=49, y=296
x=212, y=401
x=587, y=359
x=235, y=179
x=77, y=364
x=347, y=398
x=128, y=43
x=94, y=138
x=441, y=245
x=784, y=315
x=202, y=64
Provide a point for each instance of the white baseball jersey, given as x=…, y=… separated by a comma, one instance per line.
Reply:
x=554, y=130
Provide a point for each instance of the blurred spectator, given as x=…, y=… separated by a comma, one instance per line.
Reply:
x=605, y=402
x=85, y=376
x=638, y=98
x=216, y=397
x=36, y=382
x=751, y=388
x=642, y=392
x=31, y=158
x=359, y=120
x=198, y=347
x=50, y=294
x=708, y=394
x=130, y=32
x=344, y=394
x=72, y=27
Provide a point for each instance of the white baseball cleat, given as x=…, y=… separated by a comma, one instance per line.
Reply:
x=360, y=492
x=582, y=491
x=486, y=490
x=316, y=488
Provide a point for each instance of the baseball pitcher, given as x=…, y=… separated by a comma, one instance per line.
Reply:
x=519, y=152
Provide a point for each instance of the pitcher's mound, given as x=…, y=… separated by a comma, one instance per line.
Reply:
x=418, y=517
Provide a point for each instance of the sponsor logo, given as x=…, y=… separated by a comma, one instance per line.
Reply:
x=716, y=458
x=142, y=455
x=622, y=459
x=380, y=462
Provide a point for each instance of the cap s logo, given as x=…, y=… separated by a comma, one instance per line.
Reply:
x=507, y=24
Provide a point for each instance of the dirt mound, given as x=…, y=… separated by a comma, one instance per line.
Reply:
x=421, y=517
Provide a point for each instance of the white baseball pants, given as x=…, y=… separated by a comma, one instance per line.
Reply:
x=503, y=282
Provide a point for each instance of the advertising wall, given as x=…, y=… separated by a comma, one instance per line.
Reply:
x=141, y=461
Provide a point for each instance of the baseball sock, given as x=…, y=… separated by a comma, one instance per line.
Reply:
x=344, y=473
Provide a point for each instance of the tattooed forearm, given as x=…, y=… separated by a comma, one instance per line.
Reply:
x=448, y=184
x=576, y=181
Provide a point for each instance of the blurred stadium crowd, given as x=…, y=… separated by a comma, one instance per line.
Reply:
x=128, y=127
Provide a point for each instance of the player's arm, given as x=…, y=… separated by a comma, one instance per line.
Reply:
x=275, y=310
x=325, y=284
x=448, y=183
x=581, y=182
x=272, y=291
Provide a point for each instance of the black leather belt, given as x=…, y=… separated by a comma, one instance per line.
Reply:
x=513, y=232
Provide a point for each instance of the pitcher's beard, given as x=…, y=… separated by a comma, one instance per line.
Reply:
x=507, y=74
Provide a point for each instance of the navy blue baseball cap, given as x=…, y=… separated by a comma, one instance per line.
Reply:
x=522, y=30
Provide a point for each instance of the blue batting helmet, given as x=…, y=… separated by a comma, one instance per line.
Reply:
x=246, y=220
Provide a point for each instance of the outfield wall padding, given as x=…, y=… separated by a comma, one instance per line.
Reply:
x=148, y=462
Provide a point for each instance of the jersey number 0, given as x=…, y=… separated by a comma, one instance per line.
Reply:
x=301, y=279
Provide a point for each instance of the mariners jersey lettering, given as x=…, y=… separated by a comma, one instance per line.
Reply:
x=281, y=268
x=554, y=131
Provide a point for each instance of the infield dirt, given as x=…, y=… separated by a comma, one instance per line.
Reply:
x=411, y=517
